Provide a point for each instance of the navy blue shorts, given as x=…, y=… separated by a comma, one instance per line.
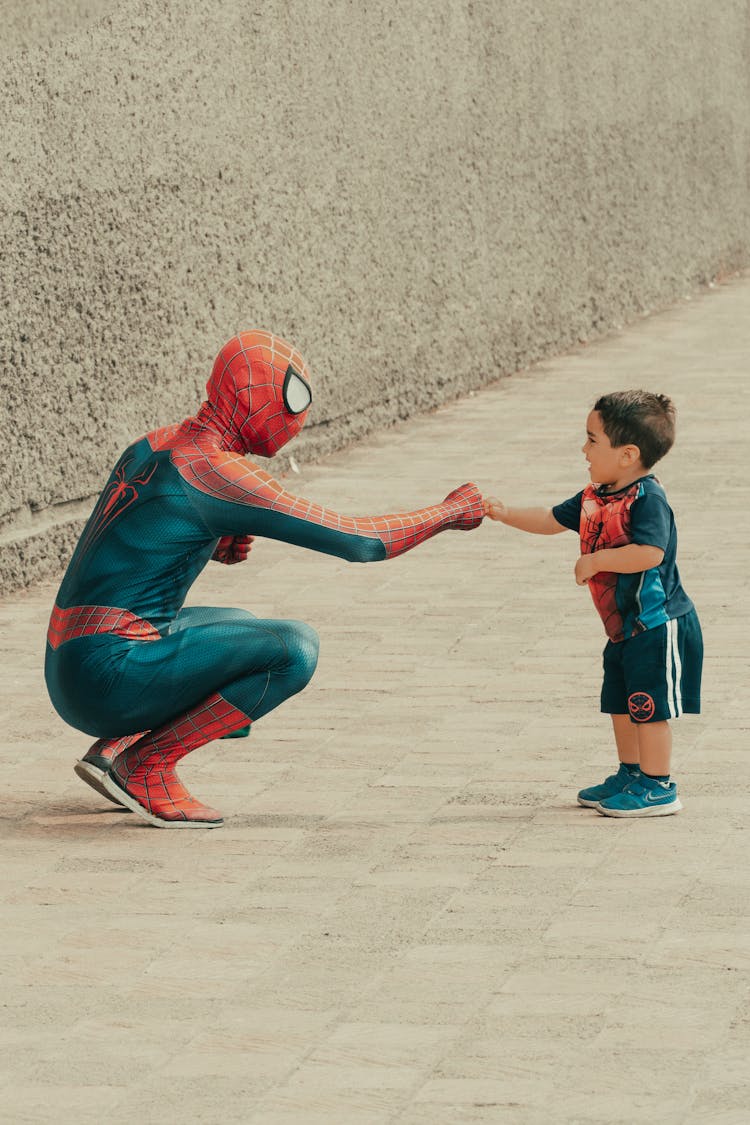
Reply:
x=655, y=675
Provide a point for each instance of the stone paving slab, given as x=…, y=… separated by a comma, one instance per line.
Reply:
x=407, y=918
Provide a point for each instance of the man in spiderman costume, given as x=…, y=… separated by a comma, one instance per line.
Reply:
x=151, y=680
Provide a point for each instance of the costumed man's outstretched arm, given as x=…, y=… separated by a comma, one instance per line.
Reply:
x=233, y=497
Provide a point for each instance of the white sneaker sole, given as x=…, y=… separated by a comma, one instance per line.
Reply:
x=93, y=776
x=117, y=793
x=652, y=810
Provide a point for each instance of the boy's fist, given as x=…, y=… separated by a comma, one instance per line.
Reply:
x=495, y=508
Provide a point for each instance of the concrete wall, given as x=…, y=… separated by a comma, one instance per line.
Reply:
x=422, y=196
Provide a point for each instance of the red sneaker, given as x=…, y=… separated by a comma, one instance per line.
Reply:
x=97, y=760
x=160, y=798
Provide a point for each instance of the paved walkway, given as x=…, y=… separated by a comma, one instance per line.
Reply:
x=407, y=919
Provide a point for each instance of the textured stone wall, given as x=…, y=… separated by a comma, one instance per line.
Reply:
x=421, y=196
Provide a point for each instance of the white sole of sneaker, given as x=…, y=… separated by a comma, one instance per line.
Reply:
x=588, y=804
x=93, y=776
x=119, y=794
x=653, y=810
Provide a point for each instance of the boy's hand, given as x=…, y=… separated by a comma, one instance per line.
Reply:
x=495, y=508
x=586, y=568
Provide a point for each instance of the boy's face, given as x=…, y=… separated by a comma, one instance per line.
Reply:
x=608, y=464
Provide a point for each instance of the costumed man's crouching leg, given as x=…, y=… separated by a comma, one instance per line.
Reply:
x=152, y=680
x=99, y=758
x=256, y=664
x=261, y=663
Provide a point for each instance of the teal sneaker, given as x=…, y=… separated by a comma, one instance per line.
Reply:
x=615, y=784
x=642, y=797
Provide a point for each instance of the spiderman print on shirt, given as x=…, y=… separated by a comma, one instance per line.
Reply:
x=605, y=523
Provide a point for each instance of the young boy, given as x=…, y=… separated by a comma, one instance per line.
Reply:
x=654, y=655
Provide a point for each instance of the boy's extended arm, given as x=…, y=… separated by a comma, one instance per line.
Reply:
x=537, y=521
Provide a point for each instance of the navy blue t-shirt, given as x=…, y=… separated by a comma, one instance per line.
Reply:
x=638, y=513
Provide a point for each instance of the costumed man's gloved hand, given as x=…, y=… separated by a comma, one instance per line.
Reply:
x=466, y=507
x=233, y=549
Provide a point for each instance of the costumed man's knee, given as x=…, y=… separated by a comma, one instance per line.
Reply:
x=303, y=647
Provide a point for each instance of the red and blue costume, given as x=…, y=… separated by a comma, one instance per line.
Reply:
x=126, y=662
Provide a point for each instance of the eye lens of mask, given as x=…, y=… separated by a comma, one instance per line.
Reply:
x=297, y=393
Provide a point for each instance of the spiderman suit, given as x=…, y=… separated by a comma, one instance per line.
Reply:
x=152, y=680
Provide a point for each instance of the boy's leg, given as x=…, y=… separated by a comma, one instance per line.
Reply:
x=650, y=793
x=655, y=748
x=614, y=704
x=651, y=665
x=626, y=738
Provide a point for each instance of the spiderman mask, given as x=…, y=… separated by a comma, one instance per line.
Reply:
x=259, y=392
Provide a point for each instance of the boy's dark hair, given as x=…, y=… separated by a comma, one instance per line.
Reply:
x=639, y=418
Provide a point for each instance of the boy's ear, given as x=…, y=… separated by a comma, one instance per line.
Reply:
x=630, y=454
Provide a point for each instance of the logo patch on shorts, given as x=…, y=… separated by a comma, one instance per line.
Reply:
x=641, y=706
